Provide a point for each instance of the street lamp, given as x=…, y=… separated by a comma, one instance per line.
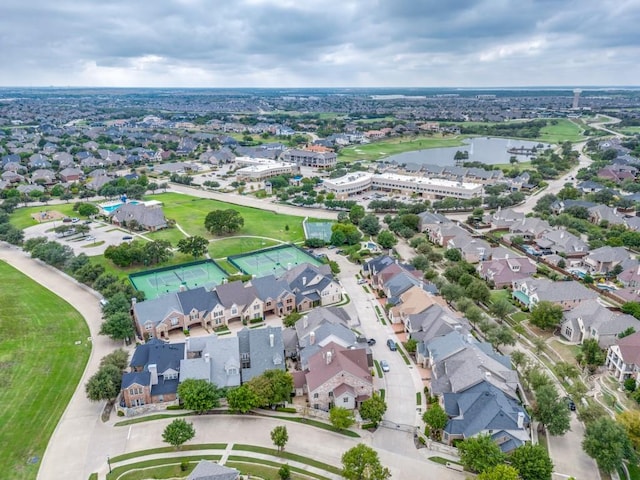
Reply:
x=109, y=463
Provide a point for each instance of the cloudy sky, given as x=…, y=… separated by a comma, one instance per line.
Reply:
x=316, y=43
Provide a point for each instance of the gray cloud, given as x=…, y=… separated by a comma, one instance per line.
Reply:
x=319, y=43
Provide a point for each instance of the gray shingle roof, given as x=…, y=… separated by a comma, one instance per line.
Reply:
x=207, y=470
x=265, y=349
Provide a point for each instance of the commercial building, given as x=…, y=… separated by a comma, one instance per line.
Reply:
x=307, y=158
x=257, y=169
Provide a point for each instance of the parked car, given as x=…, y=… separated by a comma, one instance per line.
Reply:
x=570, y=403
x=371, y=341
x=75, y=220
x=127, y=237
x=384, y=365
x=361, y=281
x=392, y=345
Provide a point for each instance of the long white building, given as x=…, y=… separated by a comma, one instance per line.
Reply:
x=426, y=187
x=257, y=169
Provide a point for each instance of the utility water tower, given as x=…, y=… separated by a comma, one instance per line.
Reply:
x=576, y=99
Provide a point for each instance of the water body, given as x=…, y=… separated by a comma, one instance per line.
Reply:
x=481, y=149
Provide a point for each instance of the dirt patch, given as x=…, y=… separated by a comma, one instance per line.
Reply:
x=47, y=216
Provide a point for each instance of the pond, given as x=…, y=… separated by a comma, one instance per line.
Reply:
x=481, y=149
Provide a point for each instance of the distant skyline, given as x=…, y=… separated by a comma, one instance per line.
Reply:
x=328, y=43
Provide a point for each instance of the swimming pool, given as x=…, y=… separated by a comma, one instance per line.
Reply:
x=110, y=207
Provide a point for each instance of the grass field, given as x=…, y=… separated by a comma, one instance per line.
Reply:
x=190, y=213
x=40, y=367
x=564, y=131
x=384, y=148
x=21, y=218
x=236, y=245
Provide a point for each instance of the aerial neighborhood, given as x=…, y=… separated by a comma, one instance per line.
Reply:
x=453, y=276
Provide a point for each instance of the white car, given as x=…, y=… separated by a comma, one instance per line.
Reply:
x=384, y=365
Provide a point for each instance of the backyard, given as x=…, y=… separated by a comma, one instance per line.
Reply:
x=40, y=367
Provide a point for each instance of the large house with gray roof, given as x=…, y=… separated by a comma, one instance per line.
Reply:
x=568, y=295
x=150, y=218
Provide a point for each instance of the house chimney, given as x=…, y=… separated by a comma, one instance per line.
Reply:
x=487, y=375
x=271, y=339
x=153, y=370
x=329, y=357
x=304, y=280
x=206, y=358
x=288, y=266
x=520, y=420
x=186, y=347
x=312, y=338
x=183, y=287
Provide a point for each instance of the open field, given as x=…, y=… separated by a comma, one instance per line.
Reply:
x=22, y=217
x=564, y=131
x=627, y=130
x=123, y=272
x=40, y=367
x=190, y=213
x=384, y=148
x=236, y=245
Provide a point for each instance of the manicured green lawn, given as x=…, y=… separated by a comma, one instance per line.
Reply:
x=173, y=235
x=123, y=272
x=235, y=245
x=564, y=131
x=500, y=294
x=384, y=148
x=190, y=213
x=21, y=218
x=40, y=367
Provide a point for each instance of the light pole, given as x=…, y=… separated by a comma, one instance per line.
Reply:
x=109, y=463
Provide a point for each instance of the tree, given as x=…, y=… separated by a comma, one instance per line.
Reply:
x=118, y=358
x=501, y=336
x=373, y=409
x=362, y=463
x=591, y=355
x=273, y=387
x=158, y=251
x=356, y=214
x=284, y=472
x=118, y=326
x=480, y=453
x=630, y=420
x=608, y=443
x=221, y=222
x=590, y=413
x=501, y=308
x=280, y=437
x=178, y=432
x=546, y=315
x=436, y=418
x=532, y=462
x=370, y=224
x=341, y=418
x=518, y=358
x=387, y=239
x=195, y=246
x=198, y=395
x=565, y=370
x=551, y=411
x=104, y=384
x=87, y=209
x=478, y=291
x=241, y=399
x=453, y=255
x=500, y=472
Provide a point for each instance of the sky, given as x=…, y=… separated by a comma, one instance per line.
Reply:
x=319, y=43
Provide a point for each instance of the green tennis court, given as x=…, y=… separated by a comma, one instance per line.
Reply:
x=154, y=283
x=275, y=260
x=319, y=230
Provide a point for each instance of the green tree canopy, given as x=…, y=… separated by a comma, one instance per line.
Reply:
x=273, y=387
x=356, y=214
x=532, y=462
x=242, y=399
x=280, y=437
x=480, y=453
x=551, y=411
x=118, y=326
x=178, y=432
x=198, y=395
x=195, y=246
x=104, y=384
x=222, y=222
x=118, y=358
x=546, y=315
x=370, y=224
x=436, y=418
x=608, y=443
x=341, y=418
x=362, y=463
x=500, y=472
x=387, y=239
x=373, y=409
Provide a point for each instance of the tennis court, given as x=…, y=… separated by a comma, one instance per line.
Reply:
x=154, y=283
x=275, y=260
x=320, y=230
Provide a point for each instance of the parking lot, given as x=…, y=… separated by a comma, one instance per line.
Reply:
x=94, y=242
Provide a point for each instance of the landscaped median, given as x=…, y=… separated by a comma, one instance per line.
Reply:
x=250, y=460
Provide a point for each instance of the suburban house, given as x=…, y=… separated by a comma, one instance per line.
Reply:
x=261, y=349
x=155, y=367
x=430, y=220
x=236, y=301
x=212, y=358
x=560, y=206
x=603, y=260
x=630, y=276
x=502, y=273
x=590, y=319
x=530, y=291
x=150, y=218
x=473, y=249
x=70, y=174
x=412, y=301
x=623, y=357
x=563, y=243
x=603, y=213
x=440, y=234
x=503, y=219
x=338, y=376
x=484, y=409
x=208, y=470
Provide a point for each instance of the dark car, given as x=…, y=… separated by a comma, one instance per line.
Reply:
x=371, y=341
x=127, y=237
x=570, y=403
x=392, y=345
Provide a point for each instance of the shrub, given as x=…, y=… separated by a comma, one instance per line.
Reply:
x=255, y=320
x=286, y=409
x=184, y=466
